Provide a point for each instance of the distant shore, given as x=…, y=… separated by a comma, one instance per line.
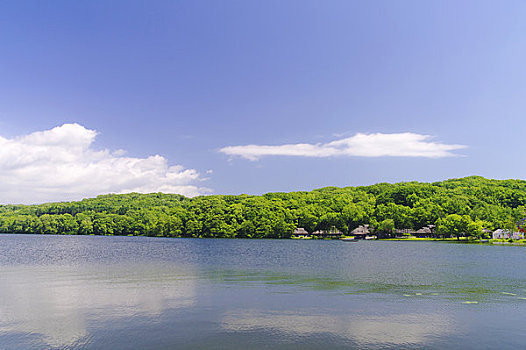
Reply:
x=463, y=240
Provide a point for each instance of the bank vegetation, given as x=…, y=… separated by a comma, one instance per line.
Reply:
x=457, y=207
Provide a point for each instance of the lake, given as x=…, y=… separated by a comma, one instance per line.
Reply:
x=91, y=292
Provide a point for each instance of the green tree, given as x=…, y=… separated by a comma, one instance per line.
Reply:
x=386, y=228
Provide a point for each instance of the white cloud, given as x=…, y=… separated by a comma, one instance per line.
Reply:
x=359, y=145
x=60, y=164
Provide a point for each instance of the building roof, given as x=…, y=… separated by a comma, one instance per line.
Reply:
x=361, y=230
x=425, y=229
x=329, y=232
x=300, y=231
x=499, y=230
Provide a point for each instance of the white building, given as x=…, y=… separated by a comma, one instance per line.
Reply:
x=506, y=234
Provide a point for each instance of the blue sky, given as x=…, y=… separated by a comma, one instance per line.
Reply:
x=346, y=92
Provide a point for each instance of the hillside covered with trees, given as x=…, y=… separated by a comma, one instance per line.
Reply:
x=457, y=207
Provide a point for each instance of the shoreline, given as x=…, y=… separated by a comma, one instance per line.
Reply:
x=463, y=240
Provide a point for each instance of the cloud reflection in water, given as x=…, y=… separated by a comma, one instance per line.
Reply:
x=395, y=329
x=56, y=304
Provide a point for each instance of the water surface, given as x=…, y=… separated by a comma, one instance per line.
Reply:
x=78, y=292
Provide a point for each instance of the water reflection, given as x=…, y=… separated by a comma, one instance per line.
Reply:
x=56, y=304
x=396, y=329
x=141, y=293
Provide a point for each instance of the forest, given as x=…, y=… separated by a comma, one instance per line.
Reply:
x=458, y=207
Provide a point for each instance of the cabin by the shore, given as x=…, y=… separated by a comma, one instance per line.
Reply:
x=365, y=232
x=361, y=232
x=424, y=232
x=300, y=232
x=332, y=233
x=507, y=234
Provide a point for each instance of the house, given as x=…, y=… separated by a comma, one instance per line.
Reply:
x=426, y=231
x=361, y=232
x=506, y=234
x=332, y=233
x=404, y=232
x=300, y=232
x=423, y=232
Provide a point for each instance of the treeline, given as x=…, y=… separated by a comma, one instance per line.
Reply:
x=457, y=207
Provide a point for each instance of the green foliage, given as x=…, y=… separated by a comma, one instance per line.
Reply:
x=459, y=208
x=387, y=226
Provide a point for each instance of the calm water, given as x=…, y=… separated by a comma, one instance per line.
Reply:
x=75, y=292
